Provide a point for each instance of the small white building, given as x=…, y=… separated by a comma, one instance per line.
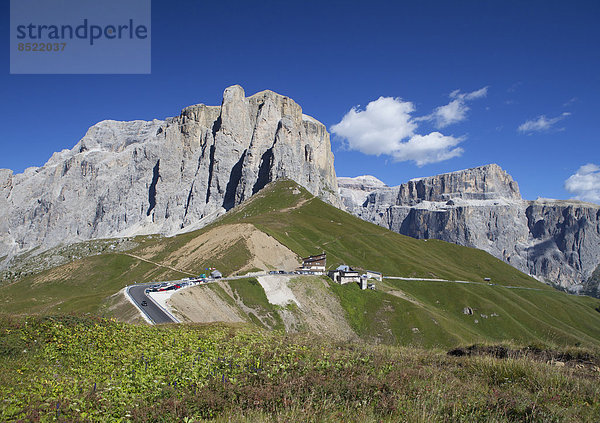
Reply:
x=344, y=276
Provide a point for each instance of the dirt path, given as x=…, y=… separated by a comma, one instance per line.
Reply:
x=158, y=264
x=296, y=206
x=401, y=294
x=462, y=282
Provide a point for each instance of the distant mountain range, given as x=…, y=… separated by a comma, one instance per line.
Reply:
x=556, y=241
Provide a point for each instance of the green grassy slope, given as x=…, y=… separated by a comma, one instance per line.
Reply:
x=521, y=315
x=306, y=225
x=80, y=286
x=434, y=315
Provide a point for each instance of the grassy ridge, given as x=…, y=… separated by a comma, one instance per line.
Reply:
x=316, y=226
x=87, y=369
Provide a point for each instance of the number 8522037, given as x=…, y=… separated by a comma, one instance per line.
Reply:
x=41, y=46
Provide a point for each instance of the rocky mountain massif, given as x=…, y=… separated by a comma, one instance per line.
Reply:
x=165, y=176
x=556, y=241
x=179, y=174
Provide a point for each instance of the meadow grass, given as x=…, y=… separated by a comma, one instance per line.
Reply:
x=70, y=368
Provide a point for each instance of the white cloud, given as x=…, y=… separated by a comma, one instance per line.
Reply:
x=453, y=112
x=386, y=126
x=474, y=95
x=380, y=128
x=585, y=183
x=456, y=110
x=431, y=148
x=542, y=123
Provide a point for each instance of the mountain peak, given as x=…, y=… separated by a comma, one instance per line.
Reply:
x=479, y=183
x=164, y=176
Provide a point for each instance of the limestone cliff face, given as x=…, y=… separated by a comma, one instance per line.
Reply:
x=567, y=235
x=556, y=241
x=480, y=183
x=165, y=176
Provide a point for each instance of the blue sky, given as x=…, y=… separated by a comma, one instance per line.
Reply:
x=537, y=61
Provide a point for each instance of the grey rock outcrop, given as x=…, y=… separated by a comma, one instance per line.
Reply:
x=354, y=191
x=165, y=176
x=556, y=241
x=481, y=183
x=567, y=241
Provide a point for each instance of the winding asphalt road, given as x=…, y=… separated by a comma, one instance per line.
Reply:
x=151, y=310
x=157, y=314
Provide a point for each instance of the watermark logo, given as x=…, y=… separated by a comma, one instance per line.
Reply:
x=80, y=36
